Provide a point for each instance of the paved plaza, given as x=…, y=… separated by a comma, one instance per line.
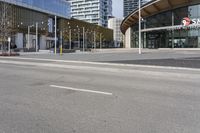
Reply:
x=166, y=57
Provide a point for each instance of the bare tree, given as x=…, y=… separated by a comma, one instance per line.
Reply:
x=5, y=24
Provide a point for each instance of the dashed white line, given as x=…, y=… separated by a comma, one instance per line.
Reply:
x=82, y=90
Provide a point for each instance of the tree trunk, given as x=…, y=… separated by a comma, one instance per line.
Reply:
x=5, y=24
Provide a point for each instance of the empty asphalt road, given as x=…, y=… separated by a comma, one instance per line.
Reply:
x=76, y=97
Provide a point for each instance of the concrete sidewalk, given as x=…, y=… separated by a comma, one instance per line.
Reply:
x=160, y=57
x=117, y=55
x=117, y=50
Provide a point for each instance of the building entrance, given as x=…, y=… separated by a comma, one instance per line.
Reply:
x=153, y=40
x=157, y=39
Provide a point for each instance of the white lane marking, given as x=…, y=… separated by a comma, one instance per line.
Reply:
x=82, y=90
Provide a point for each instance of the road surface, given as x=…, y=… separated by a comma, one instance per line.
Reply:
x=45, y=96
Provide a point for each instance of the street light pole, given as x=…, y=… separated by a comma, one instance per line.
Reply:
x=61, y=45
x=55, y=50
x=9, y=40
x=28, y=38
x=86, y=38
x=79, y=39
x=100, y=41
x=94, y=40
x=36, y=38
x=83, y=39
x=172, y=30
x=140, y=52
x=70, y=39
x=78, y=36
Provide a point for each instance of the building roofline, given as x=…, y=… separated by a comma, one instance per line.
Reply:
x=153, y=7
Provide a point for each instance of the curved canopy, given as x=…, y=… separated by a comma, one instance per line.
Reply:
x=154, y=7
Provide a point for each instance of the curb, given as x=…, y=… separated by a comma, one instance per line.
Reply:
x=109, y=64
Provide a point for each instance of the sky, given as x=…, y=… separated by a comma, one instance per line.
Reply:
x=117, y=8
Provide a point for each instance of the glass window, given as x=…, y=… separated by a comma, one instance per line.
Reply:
x=55, y=7
x=179, y=14
x=159, y=20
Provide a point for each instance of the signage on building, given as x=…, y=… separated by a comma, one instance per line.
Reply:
x=187, y=21
x=50, y=25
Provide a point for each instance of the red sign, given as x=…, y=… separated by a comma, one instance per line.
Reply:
x=186, y=21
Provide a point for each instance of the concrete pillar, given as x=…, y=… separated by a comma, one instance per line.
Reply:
x=128, y=38
x=42, y=42
x=32, y=41
x=19, y=40
x=198, y=42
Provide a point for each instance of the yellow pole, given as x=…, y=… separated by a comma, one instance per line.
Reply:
x=61, y=50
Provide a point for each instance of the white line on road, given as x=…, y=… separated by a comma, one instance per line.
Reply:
x=81, y=90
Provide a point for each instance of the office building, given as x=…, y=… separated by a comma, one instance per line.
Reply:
x=130, y=5
x=114, y=24
x=166, y=24
x=92, y=11
x=31, y=24
x=59, y=8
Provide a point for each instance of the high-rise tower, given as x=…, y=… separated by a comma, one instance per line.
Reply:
x=130, y=5
x=92, y=11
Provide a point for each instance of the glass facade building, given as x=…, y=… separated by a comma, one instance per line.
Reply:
x=59, y=8
x=166, y=29
x=92, y=11
x=31, y=27
x=130, y=5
